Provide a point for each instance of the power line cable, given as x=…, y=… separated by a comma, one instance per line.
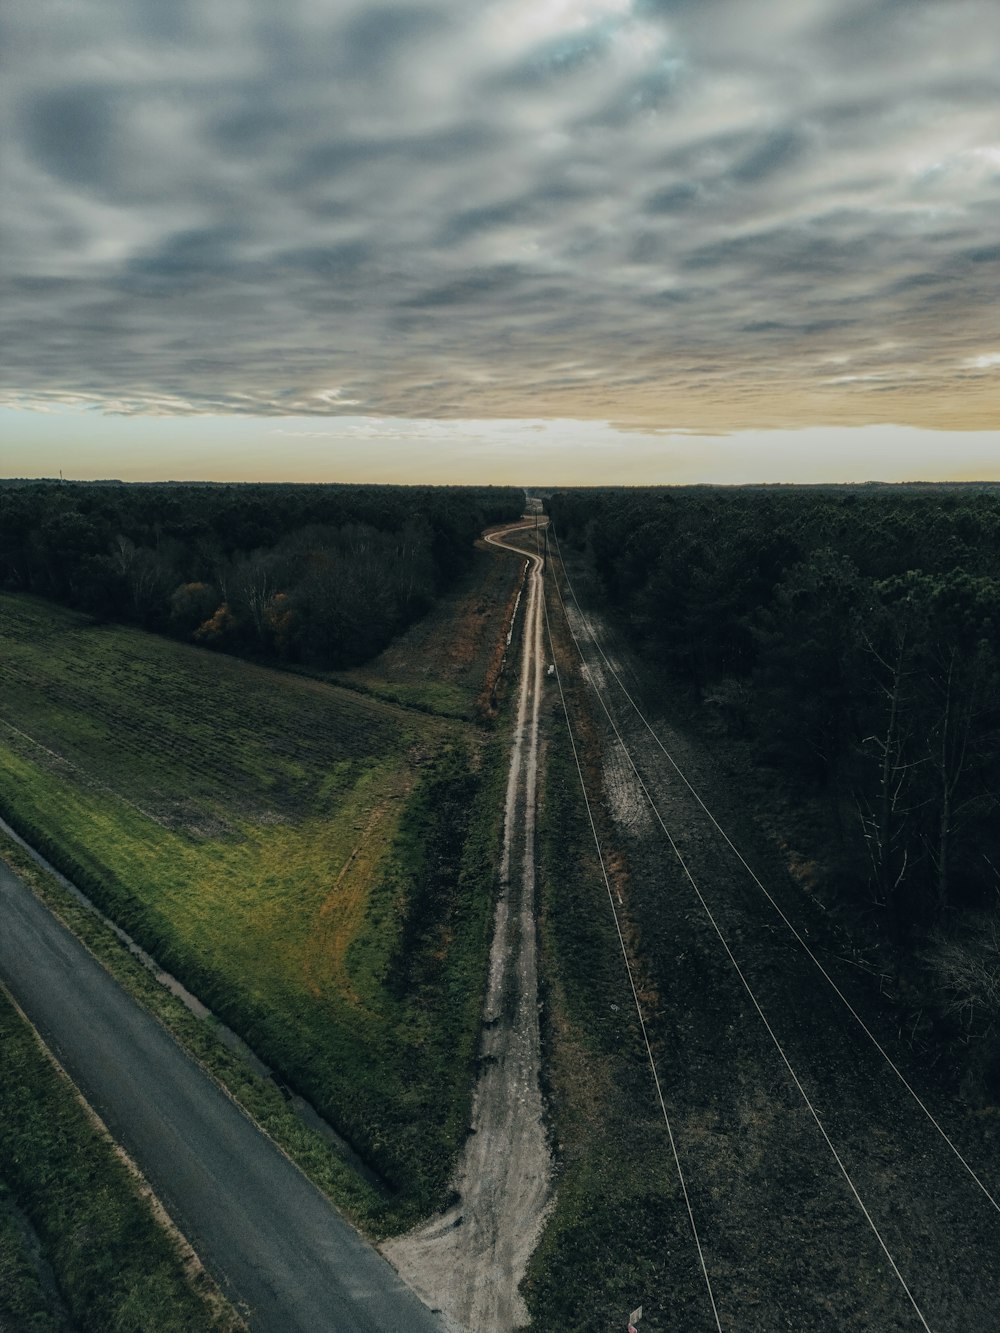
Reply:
x=739, y=972
x=631, y=978
x=722, y=832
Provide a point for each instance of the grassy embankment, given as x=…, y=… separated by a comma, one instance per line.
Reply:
x=316, y=865
x=448, y=662
x=619, y=1214
x=259, y=1096
x=115, y=1266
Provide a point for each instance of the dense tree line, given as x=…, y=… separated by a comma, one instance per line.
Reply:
x=853, y=636
x=324, y=574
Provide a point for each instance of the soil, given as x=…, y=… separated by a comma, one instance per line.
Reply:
x=787, y=1245
x=469, y=1261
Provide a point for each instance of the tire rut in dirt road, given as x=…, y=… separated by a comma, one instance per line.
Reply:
x=469, y=1261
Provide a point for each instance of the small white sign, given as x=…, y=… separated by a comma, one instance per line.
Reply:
x=635, y=1316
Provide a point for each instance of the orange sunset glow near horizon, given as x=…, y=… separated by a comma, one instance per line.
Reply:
x=591, y=241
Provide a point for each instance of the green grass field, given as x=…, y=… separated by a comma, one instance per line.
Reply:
x=114, y=1265
x=25, y=1302
x=317, y=865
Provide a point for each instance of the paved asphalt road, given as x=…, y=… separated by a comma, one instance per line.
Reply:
x=271, y=1241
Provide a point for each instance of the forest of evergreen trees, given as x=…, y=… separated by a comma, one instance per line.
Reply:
x=322, y=574
x=850, y=638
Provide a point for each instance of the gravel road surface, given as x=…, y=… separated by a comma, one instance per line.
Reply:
x=276, y=1247
x=471, y=1260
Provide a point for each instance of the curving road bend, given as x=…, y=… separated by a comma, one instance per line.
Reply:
x=276, y=1247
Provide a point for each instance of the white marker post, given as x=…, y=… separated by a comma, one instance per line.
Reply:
x=633, y=1319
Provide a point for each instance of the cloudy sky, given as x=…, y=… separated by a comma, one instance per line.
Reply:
x=660, y=239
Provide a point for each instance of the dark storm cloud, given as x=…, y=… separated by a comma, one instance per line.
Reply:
x=774, y=153
x=378, y=35
x=70, y=131
x=675, y=198
x=592, y=207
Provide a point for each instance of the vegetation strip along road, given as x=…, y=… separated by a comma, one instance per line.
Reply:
x=842, y=1077
x=22, y=857
x=274, y=1244
x=471, y=1260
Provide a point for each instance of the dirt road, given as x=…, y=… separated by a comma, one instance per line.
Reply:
x=273, y=1243
x=470, y=1261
